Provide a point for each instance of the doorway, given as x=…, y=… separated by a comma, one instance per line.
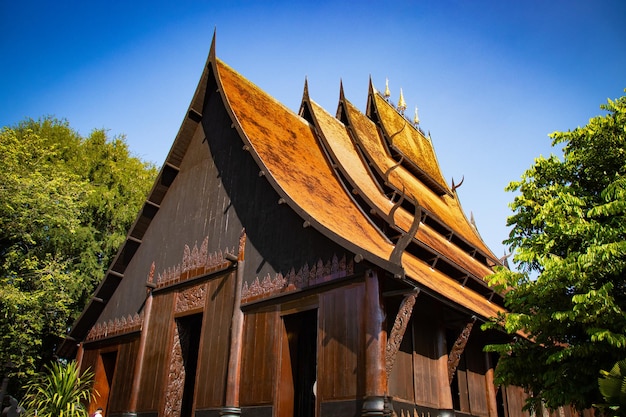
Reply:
x=299, y=364
x=103, y=381
x=189, y=330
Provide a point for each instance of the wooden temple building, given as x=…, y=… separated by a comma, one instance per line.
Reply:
x=290, y=264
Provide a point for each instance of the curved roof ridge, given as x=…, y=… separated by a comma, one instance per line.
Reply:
x=299, y=172
x=441, y=208
x=354, y=167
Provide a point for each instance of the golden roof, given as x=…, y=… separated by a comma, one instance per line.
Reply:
x=445, y=209
x=292, y=154
x=408, y=140
x=353, y=165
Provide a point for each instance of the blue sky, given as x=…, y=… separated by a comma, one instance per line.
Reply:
x=491, y=78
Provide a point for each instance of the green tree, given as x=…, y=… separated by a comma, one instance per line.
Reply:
x=567, y=300
x=66, y=203
x=59, y=391
x=612, y=386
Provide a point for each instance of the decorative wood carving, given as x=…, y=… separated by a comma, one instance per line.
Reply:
x=196, y=262
x=403, y=242
x=398, y=330
x=151, y=273
x=175, y=378
x=457, y=349
x=306, y=276
x=190, y=298
x=115, y=327
x=242, y=244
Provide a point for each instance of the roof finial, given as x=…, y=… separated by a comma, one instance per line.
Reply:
x=387, y=92
x=401, y=103
x=416, y=118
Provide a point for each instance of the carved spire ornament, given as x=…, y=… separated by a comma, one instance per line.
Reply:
x=416, y=118
x=401, y=103
x=387, y=91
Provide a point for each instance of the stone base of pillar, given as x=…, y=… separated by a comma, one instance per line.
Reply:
x=230, y=412
x=373, y=407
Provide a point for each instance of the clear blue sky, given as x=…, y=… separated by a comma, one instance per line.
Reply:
x=491, y=78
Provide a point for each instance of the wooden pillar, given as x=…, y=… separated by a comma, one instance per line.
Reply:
x=139, y=360
x=375, y=345
x=492, y=402
x=79, y=356
x=231, y=404
x=445, y=394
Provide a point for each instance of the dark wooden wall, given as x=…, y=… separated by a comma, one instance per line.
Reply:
x=259, y=358
x=513, y=401
x=125, y=350
x=472, y=381
x=215, y=342
x=420, y=364
x=341, y=344
x=420, y=375
x=157, y=352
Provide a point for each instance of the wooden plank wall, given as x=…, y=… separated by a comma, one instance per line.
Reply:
x=259, y=356
x=125, y=349
x=417, y=372
x=402, y=382
x=341, y=342
x=123, y=376
x=214, y=346
x=427, y=364
x=157, y=353
x=476, y=381
x=514, y=402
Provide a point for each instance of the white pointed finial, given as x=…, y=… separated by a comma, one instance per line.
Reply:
x=401, y=103
x=416, y=119
x=387, y=92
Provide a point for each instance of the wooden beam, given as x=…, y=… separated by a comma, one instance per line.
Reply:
x=115, y=274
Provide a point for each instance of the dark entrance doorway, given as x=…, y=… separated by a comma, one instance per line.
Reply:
x=189, y=330
x=105, y=369
x=299, y=364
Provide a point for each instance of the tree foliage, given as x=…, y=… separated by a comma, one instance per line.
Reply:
x=59, y=391
x=66, y=203
x=612, y=386
x=567, y=303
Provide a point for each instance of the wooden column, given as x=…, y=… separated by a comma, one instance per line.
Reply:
x=139, y=360
x=79, y=356
x=231, y=405
x=492, y=403
x=375, y=345
x=445, y=394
